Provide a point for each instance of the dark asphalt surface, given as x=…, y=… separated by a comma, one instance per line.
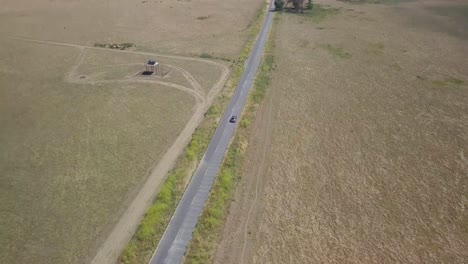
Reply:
x=174, y=243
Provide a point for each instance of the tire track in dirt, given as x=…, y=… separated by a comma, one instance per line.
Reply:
x=224, y=68
x=122, y=232
x=189, y=78
x=72, y=76
x=239, y=230
x=197, y=96
x=260, y=171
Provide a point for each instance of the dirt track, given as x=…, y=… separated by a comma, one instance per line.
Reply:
x=236, y=245
x=102, y=139
x=121, y=233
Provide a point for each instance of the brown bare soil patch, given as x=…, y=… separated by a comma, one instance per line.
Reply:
x=367, y=161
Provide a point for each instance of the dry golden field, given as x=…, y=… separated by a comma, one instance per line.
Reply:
x=72, y=152
x=364, y=139
x=169, y=26
x=81, y=133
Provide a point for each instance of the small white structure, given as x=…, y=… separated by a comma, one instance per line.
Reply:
x=153, y=66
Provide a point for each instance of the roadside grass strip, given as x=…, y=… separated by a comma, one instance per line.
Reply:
x=210, y=226
x=152, y=227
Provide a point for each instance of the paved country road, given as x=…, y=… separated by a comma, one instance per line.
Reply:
x=174, y=243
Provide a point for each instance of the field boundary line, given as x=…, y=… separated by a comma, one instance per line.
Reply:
x=260, y=170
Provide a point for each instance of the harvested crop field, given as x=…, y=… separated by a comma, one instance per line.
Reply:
x=86, y=139
x=73, y=150
x=366, y=148
x=189, y=27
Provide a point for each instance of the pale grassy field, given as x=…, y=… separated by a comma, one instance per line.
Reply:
x=369, y=140
x=79, y=132
x=71, y=153
x=172, y=26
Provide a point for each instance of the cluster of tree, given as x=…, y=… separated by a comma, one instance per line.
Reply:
x=279, y=4
x=297, y=5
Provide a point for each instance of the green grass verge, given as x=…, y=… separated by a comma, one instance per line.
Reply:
x=319, y=12
x=209, y=229
x=316, y=12
x=448, y=81
x=151, y=229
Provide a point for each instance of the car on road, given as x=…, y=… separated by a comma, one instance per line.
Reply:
x=233, y=119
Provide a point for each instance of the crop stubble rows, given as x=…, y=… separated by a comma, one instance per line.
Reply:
x=368, y=158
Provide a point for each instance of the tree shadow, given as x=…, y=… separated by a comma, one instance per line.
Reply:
x=147, y=73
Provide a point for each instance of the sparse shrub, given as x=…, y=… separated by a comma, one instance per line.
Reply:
x=279, y=4
x=309, y=5
x=100, y=45
x=121, y=46
x=449, y=81
x=206, y=56
x=245, y=122
x=455, y=81
x=127, y=45
x=129, y=253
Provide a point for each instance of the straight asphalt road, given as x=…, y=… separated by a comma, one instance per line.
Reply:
x=174, y=243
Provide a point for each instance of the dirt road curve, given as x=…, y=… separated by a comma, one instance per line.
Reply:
x=122, y=232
